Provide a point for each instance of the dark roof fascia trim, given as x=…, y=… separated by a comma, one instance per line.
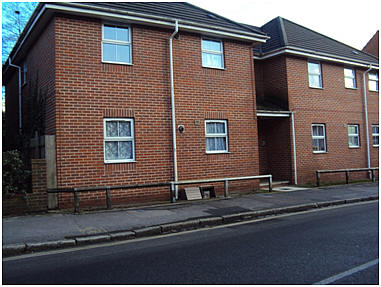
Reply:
x=156, y=20
x=315, y=55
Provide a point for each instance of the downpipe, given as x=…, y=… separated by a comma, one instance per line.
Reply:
x=19, y=93
x=173, y=198
x=366, y=115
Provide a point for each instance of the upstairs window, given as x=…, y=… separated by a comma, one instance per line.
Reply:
x=212, y=54
x=350, y=78
x=314, y=75
x=116, y=44
x=375, y=135
x=318, y=138
x=373, y=82
x=118, y=140
x=353, y=136
x=216, y=136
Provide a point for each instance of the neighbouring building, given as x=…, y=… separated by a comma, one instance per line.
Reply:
x=372, y=47
x=310, y=90
x=279, y=99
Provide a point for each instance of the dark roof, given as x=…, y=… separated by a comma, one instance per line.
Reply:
x=176, y=10
x=287, y=33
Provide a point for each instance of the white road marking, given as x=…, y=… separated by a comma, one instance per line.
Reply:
x=347, y=273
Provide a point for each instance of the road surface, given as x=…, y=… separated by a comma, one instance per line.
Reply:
x=336, y=245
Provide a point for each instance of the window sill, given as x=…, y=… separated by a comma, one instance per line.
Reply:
x=216, y=68
x=117, y=63
x=119, y=161
x=349, y=88
x=354, y=147
x=317, y=88
x=375, y=146
x=217, y=152
x=374, y=91
x=319, y=152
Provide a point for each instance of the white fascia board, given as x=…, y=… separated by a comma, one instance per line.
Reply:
x=273, y=114
x=159, y=21
x=314, y=55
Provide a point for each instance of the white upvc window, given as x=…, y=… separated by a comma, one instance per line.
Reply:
x=318, y=138
x=24, y=73
x=373, y=82
x=353, y=136
x=350, y=78
x=116, y=44
x=216, y=134
x=314, y=75
x=119, y=143
x=375, y=135
x=212, y=53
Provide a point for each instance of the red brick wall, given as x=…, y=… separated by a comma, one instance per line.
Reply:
x=88, y=91
x=38, y=200
x=336, y=107
x=274, y=143
x=272, y=80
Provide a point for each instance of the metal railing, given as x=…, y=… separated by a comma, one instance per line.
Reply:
x=347, y=171
x=171, y=184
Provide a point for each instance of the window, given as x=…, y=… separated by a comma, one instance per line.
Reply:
x=373, y=82
x=318, y=138
x=24, y=73
x=314, y=75
x=119, y=140
x=116, y=44
x=212, y=54
x=353, y=136
x=375, y=135
x=350, y=78
x=216, y=136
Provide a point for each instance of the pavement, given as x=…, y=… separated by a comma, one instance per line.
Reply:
x=40, y=232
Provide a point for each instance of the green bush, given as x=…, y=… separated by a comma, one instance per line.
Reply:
x=15, y=176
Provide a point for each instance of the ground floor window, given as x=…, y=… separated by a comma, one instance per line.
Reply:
x=119, y=140
x=353, y=136
x=216, y=136
x=375, y=135
x=318, y=138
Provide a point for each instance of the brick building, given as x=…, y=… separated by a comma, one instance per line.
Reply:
x=115, y=118
x=310, y=90
x=372, y=47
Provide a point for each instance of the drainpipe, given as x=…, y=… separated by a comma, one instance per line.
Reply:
x=173, y=106
x=366, y=114
x=294, y=148
x=19, y=92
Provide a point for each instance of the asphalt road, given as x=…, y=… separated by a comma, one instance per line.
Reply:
x=338, y=246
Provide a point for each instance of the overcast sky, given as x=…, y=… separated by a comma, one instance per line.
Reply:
x=348, y=21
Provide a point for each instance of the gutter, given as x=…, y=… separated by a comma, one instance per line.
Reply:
x=366, y=114
x=173, y=107
x=313, y=54
x=19, y=93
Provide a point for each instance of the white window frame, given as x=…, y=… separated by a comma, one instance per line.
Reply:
x=352, y=78
x=315, y=74
x=222, y=135
x=213, y=52
x=354, y=135
x=24, y=73
x=130, y=138
x=319, y=137
x=376, y=80
x=376, y=135
x=117, y=42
